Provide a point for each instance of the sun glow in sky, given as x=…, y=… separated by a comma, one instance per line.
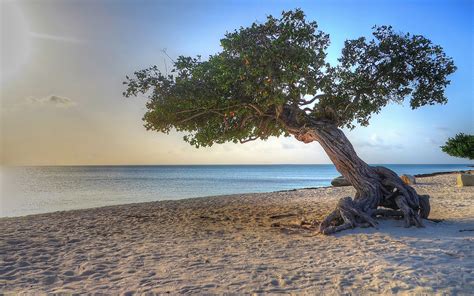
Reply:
x=62, y=64
x=16, y=41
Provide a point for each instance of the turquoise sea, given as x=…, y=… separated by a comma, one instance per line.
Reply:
x=32, y=190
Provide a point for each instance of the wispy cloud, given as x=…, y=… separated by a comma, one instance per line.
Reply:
x=378, y=143
x=434, y=142
x=53, y=100
x=55, y=38
x=288, y=146
x=443, y=129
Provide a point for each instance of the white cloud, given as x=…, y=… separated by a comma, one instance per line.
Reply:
x=288, y=146
x=376, y=142
x=376, y=139
x=54, y=100
x=443, y=128
x=55, y=38
x=433, y=141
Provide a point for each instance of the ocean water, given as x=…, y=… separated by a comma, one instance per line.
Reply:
x=32, y=190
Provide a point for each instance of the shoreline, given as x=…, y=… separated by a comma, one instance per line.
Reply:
x=230, y=195
x=249, y=243
x=444, y=173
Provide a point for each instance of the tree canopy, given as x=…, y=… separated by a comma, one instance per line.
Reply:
x=272, y=78
x=461, y=145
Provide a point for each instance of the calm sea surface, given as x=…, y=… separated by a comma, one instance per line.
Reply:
x=31, y=190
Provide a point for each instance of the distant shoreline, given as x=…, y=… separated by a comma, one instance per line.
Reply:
x=220, y=195
x=444, y=173
x=416, y=176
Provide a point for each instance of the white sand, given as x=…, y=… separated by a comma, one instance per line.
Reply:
x=226, y=244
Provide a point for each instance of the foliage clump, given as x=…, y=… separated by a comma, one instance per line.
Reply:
x=272, y=79
x=461, y=145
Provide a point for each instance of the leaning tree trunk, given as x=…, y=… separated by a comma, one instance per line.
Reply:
x=379, y=191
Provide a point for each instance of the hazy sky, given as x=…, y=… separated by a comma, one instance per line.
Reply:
x=63, y=62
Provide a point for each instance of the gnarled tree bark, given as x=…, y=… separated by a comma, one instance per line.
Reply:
x=379, y=190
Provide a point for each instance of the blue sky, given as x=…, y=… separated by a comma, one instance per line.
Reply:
x=80, y=52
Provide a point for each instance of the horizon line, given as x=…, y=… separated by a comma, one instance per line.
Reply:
x=219, y=164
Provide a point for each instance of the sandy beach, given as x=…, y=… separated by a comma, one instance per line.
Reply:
x=250, y=243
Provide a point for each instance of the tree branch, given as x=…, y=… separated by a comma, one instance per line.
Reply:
x=303, y=102
x=199, y=114
x=214, y=109
x=248, y=140
x=260, y=112
x=193, y=116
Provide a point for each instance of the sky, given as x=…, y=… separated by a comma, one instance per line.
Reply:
x=63, y=63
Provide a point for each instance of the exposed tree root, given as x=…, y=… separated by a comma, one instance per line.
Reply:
x=346, y=215
x=379, y=190
x=391, y=198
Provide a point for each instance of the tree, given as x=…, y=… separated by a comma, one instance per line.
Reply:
x=272, y=79
x=461, y=145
